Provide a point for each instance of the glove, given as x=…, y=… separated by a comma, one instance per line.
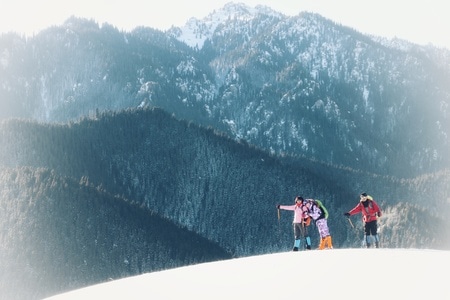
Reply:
x=278, y=206
x=347, y=214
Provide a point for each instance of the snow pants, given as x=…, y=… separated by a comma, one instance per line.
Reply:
x=301, y=231
x=371, y=229
x=324, y=232
x=322, y=226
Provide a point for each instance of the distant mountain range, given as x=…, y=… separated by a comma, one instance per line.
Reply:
x=300, y=85
x=122, y=153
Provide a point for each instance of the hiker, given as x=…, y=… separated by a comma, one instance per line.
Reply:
x=300, y=223
x=320, y=214
x=370, y=212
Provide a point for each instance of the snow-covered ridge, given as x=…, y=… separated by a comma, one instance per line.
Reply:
x=195, y=31
x=327, y=274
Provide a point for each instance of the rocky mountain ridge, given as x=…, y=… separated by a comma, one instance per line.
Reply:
x=301, y=85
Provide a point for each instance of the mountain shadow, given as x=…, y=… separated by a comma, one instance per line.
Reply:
x=58, y=234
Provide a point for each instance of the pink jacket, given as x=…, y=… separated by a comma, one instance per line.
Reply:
x=300, y=211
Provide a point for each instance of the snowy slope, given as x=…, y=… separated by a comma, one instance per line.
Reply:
x=343, y=273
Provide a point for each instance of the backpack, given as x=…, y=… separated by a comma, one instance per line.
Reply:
x=322, y=208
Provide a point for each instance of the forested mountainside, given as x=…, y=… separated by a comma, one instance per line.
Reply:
x=199, y=178
x=59, y=234
x=301, y=85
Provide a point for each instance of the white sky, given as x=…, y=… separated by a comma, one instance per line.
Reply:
x=350, y=274
x=418, y=21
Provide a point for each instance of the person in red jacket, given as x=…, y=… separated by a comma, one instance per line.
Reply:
x=301, y=222
x=370, y=213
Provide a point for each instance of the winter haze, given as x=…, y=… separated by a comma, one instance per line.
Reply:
x=419, y=22
x=132, y=152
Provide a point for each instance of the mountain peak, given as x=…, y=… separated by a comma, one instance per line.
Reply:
x=196, y=31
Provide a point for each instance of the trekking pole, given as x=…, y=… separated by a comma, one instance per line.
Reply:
x=279, y=226
x=351, y=223
x=378, y=232
x=353, y=227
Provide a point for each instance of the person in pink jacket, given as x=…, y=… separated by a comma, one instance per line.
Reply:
x=300, y=223
x=370, y=213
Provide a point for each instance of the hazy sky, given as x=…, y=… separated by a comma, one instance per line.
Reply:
x=418, y=21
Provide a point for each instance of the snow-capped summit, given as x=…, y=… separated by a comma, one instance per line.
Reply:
x=195, y=31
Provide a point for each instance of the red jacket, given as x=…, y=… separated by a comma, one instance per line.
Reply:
x=369, y=210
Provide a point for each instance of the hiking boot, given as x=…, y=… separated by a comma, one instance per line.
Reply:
x=322, y=243
x=295, y=249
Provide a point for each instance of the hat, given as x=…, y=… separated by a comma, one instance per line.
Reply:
x=299, y=198
x=363, y=197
